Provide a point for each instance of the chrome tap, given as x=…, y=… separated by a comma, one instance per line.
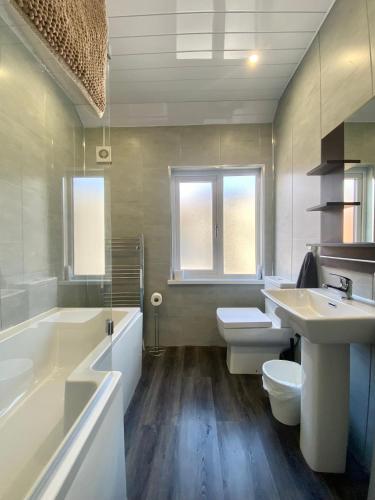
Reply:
x=346, y=285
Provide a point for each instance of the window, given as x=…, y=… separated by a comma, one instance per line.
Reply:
x=353, y=191
x=84, y=229
x=216, y=222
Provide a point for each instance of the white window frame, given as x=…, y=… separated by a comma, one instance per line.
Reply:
x=215, y=175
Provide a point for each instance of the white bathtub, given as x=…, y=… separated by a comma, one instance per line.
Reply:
x=64, y=388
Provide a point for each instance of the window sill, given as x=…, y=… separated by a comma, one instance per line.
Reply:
x=216, y=282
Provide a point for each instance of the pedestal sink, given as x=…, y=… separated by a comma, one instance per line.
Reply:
x=327, y=324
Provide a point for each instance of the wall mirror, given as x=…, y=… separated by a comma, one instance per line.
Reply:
x=359, y=175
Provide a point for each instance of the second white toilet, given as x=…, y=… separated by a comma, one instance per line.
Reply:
x=253, y=337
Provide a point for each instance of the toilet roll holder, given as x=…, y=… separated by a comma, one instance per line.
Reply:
x=156, y=350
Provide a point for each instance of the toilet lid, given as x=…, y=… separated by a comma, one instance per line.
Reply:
x=242, y=317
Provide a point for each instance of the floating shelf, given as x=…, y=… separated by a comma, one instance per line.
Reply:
x=343, y=245
x=332, y=205
x=329, y=166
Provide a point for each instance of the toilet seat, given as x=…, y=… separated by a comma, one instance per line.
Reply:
x=242, y=317
x=257, y=336
x=248, y=326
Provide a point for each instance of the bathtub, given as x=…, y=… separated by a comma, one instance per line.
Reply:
x=64, y=388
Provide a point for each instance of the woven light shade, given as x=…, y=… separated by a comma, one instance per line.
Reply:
x=76, y=32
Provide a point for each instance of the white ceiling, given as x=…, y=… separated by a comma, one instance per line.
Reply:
x=185, y=62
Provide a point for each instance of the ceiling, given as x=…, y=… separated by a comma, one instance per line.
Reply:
x=185, y=62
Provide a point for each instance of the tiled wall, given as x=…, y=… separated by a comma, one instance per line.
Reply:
x=141, y=203
x=40, y=137
x=334, y=80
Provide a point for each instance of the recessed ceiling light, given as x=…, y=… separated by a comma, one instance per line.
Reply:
x=253, y=58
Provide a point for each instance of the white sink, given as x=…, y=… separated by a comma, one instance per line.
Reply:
x=323, y=317
x=327, y=324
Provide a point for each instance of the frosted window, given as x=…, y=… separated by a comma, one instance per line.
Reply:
x=239, y=204
x=88, y=224
x=349, y=212
x=196, y=248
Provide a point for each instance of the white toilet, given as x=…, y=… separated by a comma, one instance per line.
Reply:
x=253, y=337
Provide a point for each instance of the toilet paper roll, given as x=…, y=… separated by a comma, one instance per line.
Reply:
x=156, y=299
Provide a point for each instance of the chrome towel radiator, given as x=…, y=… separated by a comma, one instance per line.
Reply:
x=127, y=272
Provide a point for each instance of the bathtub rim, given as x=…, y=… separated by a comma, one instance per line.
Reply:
x=34, y=320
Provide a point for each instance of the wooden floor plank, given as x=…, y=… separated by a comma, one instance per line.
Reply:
x=245, y=469
x=193, y=431
x=227, y=406
x=163, y=403
x=161, y=484
x=191, y=361
x=198, y=470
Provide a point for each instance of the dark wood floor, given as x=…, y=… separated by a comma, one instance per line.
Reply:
x=194, y=431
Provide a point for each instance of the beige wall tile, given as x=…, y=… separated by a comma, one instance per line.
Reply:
x=371, y=21
x=346, y=76
x=200, y=146
x=362, y=283
x=283, y=201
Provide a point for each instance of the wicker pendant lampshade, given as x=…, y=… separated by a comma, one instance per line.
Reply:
x=76, y=33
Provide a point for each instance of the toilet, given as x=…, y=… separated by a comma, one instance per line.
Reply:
x=253, y=337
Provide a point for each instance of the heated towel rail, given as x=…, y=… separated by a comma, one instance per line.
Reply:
x=127, y=272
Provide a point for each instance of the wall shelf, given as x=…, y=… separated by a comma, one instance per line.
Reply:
x=333, y=252
x=343, y=245
x=329, y=166
x=333, y=205
x=354, y=256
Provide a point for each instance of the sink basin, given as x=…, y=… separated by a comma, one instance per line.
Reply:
x=327, y=324
x=323, y=317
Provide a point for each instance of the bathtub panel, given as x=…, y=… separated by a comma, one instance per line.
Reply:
x=102, y=473
x=127, y=359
